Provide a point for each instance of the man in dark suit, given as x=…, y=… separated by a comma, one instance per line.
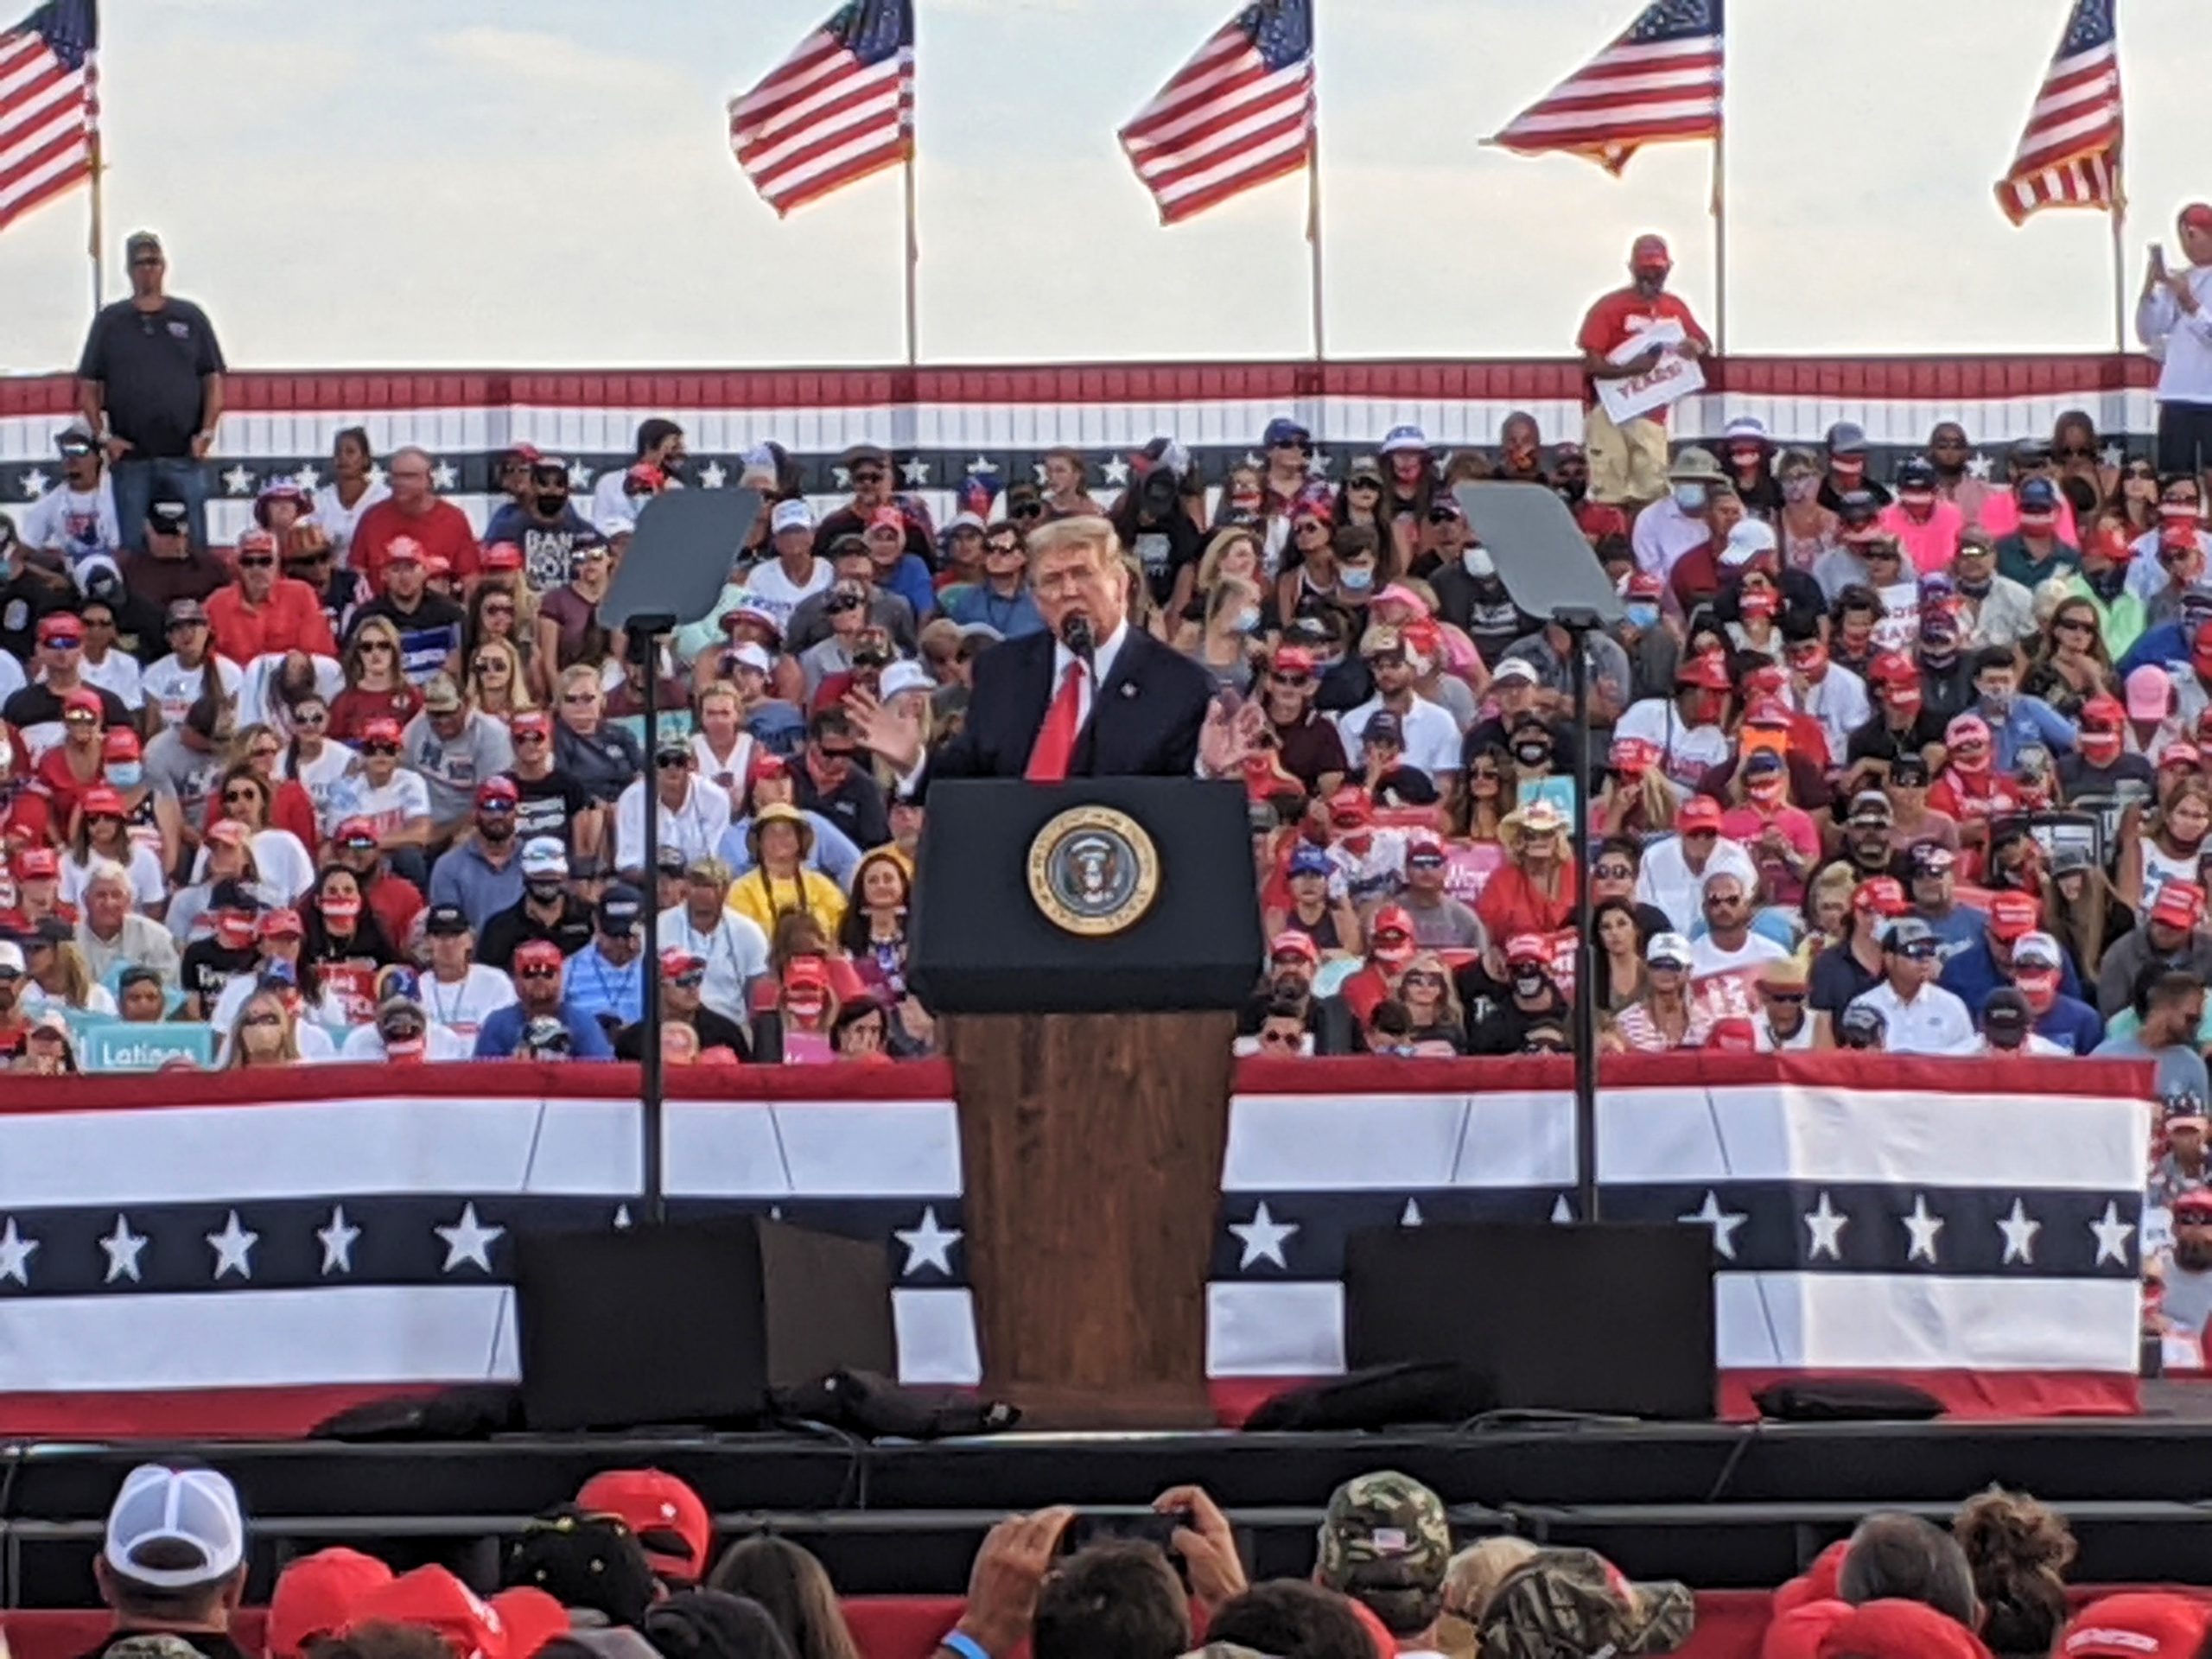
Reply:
x=1092, y=695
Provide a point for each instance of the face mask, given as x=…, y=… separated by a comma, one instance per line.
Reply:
x=1286, y=988
x=126, y=774
x=1765, y=787
x=1707, y=707
x=672, y=469
x=1643, y=617
x=1572, y=489
x=2098, y=748
x=1355, y=579
x=549, y=506
x=1799, y=491
x=1906, y=700
x=1998, y=702
x=1533, y=755
x=1847, y=466
x=1976, y=590
x=1690, y=498
x=545, y=893
x=1529, y=986
x=1478, y=562
x=1918, y=505
x=1812, y=664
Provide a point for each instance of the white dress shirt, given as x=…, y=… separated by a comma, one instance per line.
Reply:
x=1095, y=674
x=1934, y=1022
x=696, y=827
x=1665, y=878
x=2186, y=375
x=735, y=949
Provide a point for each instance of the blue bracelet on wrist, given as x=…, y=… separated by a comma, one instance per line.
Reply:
x=961, y=1642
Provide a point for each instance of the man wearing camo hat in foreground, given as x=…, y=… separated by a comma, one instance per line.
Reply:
x=1385, y=1543
x=1574, y=1604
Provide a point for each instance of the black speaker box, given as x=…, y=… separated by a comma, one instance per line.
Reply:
x=1612, y=1319
x=692, y=1323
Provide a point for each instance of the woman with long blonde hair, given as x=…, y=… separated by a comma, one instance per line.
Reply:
x=264, y=1034
x=497, y=681
x=1232, y=552
x=376, y=688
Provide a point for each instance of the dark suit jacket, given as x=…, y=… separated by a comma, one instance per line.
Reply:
x=1144, y=720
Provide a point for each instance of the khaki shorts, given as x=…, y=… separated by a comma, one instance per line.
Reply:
x=1628, y=464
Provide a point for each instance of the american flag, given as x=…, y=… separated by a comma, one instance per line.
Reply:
x=49, y=105
x=840, y=108
x=1662, y=79
x=2070, y=155
x=1238, y=114
x=243, y=1253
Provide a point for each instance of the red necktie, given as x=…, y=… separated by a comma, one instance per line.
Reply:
x=1055, y=747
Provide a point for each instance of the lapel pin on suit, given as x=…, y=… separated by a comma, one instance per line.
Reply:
x=1128, y=689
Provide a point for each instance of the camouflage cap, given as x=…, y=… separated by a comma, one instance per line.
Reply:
x=1574, y=1604
x=1384, y=1517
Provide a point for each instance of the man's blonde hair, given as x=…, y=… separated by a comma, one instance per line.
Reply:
x=1083, y=530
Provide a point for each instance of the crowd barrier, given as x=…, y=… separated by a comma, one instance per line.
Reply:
x=947, y=423
x=242, y=1253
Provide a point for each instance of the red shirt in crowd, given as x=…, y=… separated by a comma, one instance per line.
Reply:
x=394, y=901
x=351, y=709
x=293, y=620
x=292, y=808
x=442, y=533
x=1625, y=312
x=1511, y=903
x=64, y=789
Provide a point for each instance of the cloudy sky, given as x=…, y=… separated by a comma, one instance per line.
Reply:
x=434, y=183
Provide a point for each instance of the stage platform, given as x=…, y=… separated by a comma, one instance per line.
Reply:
x=1719, y=1506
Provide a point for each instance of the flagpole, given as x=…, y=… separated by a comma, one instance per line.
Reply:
x=96, y=241
x=1720, y=241
x=914, y=268
x=2120, y=280
x=1313, y=238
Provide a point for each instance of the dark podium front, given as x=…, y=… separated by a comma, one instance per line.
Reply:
x=1085, y=946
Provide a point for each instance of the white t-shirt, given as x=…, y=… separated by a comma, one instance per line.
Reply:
x=1840, y=703
x=172, y=687
x=1431, y=735
x=735, y=949
x=309, y=1026
x=1707, y=957
x=338, y=520
x=11, y=677
x=324, y=779
x=1686, y=752
x=1765, y=1035
x=147, y=886
x=1666, y=881
x=119, y=672
x=460, y=1007
x=737, y=768
x=78, y=525
x=779, y=596
x=389, y=806
x=367, y=1043
x=287, y=868
x=97, y=999
x=258, y=704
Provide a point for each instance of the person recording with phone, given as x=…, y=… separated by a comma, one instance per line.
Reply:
x=2174, y=316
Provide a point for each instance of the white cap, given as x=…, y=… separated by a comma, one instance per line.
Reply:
x=196, y=1508
x=1750, y=538
x=11, y=957
x=2039, y=946
x=791, y=515
x=1515, y=668
x=542, y=856
x=749, y=655
x=1404, y=437
x=904, y=676
x=1747, y=427
x=1668, y=947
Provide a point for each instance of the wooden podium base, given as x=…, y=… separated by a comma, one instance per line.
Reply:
x=1092, y=1148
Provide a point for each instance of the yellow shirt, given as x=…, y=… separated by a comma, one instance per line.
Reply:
x=762, y=898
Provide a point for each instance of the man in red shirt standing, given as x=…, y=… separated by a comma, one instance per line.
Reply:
x=413, y=509
x=1628, y=464
x=263, y=611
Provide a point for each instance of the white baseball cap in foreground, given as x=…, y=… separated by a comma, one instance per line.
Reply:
x=175, y=1528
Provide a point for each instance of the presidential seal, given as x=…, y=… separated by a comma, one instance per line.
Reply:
x=1093, y=871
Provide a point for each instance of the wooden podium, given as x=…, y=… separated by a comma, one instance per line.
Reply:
x=1085, y=946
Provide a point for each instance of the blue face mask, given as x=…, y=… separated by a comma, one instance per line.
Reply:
x=126, y=774
x=1355, y=579
x=1643, y=617
x=1247, y=622
x=1690, y=498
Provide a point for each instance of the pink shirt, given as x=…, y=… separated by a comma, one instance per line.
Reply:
x=1931, y=546
x=2000, y=516
x=1747, y=826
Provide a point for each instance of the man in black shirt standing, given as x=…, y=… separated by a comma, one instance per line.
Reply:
x=151, y=383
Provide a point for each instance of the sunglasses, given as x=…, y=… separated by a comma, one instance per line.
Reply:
x=263, y=1019
x=870, y=475
x=1026, y=510
x=1281, y=1039
x=529, y=737
x=501, y=608
x=487, y=664
x=579, y=699
x=675, y=762
x=1366, y=484
x=1299, y=444
x=375, y=646
x=231, y=797
x=64, y=642
x=494, y=809
x=537, y=973
x=379, y=748
x=2074, y=625
x=1781, y=997
x=1612, y=871
x=1003, y=550
x=690, y=979
x=257, y=562
x=1439, y=516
